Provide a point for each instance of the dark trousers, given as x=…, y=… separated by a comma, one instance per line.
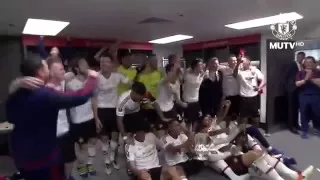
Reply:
x=53, y=172
x=210, y=105
x=309, y=109
x=293, y=110
x=254, y=132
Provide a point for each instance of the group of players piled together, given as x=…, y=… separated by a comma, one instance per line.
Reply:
x=145, y=107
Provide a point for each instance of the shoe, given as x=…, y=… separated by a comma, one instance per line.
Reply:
x=17, y=176
x=244, y=177
x=83, y=171
x=306, y=174
x=275, y=152
x=129, y=172
x=91, y=170
x=71, y=178
x=288, y=161
x=267, y=134
x=304, y=135
x=107, y=169
x=115, y=165
x=317, y=133
x=294, y=131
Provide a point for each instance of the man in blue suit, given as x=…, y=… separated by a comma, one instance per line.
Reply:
x=34, y=114
x=291, y=89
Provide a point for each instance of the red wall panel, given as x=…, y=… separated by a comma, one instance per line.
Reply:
x=223, y=42
x=30, y=40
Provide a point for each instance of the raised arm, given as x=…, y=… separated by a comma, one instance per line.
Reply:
x=42, y=49
x=170, y=147
x=232, y=136
x=25, y=82
x=63, y=100
x=100, y=52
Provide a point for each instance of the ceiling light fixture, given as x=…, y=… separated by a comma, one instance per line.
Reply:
x=44, y=27
x=265, y=21
x=170, y=39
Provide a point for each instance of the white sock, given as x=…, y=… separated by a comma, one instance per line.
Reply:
x=81, y=157
x=267, y=169
x=281, y=168
x=91, y=154
x=105, y=149
x=114, y=148
x=224, y=168
x=253, y=144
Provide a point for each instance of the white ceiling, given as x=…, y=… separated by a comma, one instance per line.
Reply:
x=204, y=19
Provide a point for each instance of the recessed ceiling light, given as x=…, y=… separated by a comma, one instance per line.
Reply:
x=170, y=39
x=265, y=21
x=44, y=27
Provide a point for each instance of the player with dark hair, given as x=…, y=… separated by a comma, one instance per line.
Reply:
x=104, y=105
x=191, y=87
x=142, y=157
x=128, y=110
x=83, y=128
x=178, y=143
x=34, y=161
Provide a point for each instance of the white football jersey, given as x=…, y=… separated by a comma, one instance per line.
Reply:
x=107, y=95
x=191, y=87
x=179, y=157
x=165, y=97
x=248, y=81
x=126, y=105
x=82, y=113
x=144, y=154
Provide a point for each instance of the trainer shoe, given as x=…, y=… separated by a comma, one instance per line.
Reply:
x=71, y=178
x=83, y=171
x=129, y=172
x=107, y=169
x=115, y=165
x=244, y=177
x=317, y=133
x=306, y=174
x=288, y=161
x=91, y=170
x=304, y=135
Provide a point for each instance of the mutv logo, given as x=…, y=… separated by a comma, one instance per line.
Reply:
x=285, y=45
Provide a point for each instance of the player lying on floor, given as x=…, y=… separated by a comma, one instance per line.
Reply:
x=256, y=134
x=250, y=154
x=177, y=143
x=143, y=161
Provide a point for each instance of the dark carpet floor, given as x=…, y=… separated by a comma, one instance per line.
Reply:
x=307, y=152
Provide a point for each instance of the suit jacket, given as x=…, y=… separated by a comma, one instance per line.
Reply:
x=290, y=77
x=210, y=91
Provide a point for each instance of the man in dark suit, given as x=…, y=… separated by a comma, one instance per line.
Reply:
x=210, y=93
x=292, y=92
